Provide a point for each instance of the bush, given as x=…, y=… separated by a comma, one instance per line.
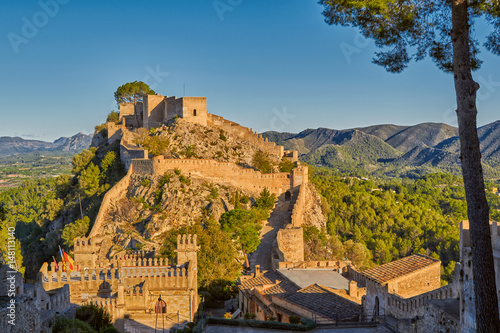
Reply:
x=247, y=316
x=294, y=320
x=94, y=315
x=65, y=325
x=146, y=182
x=113, y=117
x=286, y=165
x=262, y=162
x=307, y=325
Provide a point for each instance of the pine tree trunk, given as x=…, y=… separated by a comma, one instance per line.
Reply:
x=486, y=301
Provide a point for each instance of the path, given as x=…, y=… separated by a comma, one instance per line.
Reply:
x=262, y=256
x=233, y=329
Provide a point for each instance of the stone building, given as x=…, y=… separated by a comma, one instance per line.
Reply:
x=131, y=285
x=319, y=294
x=155, y=110
x=389, y=286
x=31, y=307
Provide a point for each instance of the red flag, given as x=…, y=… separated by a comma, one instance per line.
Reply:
x=67, y=258
x=57, y=267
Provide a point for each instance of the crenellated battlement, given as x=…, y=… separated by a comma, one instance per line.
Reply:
x=125, y=284
x=187, y=243
x=84, y=245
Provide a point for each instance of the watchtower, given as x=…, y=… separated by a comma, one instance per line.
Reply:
x=187, y=251
x=85, y=252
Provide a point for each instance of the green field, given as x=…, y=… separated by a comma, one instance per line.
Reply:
x=15, y=169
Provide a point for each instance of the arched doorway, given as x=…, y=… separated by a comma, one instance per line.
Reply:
x=194, y=112
x=376, y=310
x=288, y=196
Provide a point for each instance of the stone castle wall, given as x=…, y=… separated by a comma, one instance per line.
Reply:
x=220, y=172
x=247, y=134
x=340, y=265
x=289, y=246
x=132, y=283
x=116, y=193
x=400, y=307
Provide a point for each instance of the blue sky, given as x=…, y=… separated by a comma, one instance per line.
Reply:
x=269, y=65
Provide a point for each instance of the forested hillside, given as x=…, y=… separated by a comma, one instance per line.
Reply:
x=45, y=211
x=393, y=218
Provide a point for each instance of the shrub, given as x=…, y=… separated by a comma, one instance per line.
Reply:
x=262, y=162
x=214, y=194
x=65, y=325
x=146, y=182
x=286, y=165
x=247, y=316
x=222, y=136
x=177, y=171
x=294, y=320
x=94, y=315
x=113, y=117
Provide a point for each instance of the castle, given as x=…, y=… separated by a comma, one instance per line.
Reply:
x=131, y=285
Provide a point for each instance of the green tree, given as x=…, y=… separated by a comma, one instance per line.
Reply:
x=444, y=31
x=79, y=228
x=66, y=325
x=157, y=145
x=53, y=207
x=217, y=267
x=358, y=253
x=189, y=151
x=265, y=200
x=89, y=179
x=244, y=226
x=80, y=161
x=141, y=137
x=262, y=162
x=113, y=117
x=96, y=316
x=286, y=165
x=132, y=92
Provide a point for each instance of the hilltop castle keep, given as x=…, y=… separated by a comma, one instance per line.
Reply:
x=130, y=285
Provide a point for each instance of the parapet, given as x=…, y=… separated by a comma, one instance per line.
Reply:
x=84, y=245
x=186, y=243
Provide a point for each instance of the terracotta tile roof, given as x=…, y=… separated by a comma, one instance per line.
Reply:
x=325, y=303
x=385, y=273
x=267, y=284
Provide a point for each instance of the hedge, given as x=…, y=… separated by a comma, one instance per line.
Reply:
x=307, y=324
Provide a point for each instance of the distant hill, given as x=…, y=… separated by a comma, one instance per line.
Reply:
x=389, y=147
x=17, y=145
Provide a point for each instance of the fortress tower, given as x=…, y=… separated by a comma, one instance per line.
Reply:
x=187, y=253
x=85, y=251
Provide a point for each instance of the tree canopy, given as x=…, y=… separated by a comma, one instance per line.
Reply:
x=411, y=30
x=132, y=92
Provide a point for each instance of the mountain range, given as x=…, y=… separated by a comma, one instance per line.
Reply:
x=17, y=145
x=391, y=147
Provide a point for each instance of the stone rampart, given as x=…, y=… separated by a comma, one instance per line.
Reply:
x=340, y=265
x=115, y=132
x=289, y=246
x=226, y=173
x=116, y=193
x=247, y=134
x=415, y=306
x=299, y=208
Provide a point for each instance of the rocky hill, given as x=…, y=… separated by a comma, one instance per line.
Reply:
x=17, y=145
x=390, y=147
